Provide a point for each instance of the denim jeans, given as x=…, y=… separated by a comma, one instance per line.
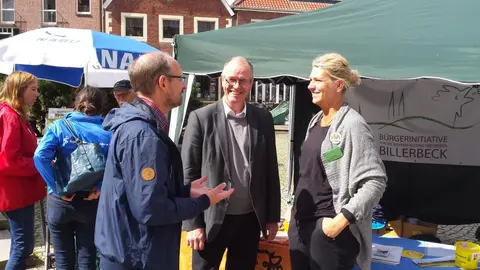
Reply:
x=22, y=237
x=72, y=226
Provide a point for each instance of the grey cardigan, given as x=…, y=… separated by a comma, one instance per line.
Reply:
x=357, y=178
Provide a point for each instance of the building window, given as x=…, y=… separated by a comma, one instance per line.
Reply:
x=169, y=26
x=49, y=12
x=6, y=32
x=8, y=11
x=202, y=24
x=134, y=25
x=229, y=23
x=83, y=6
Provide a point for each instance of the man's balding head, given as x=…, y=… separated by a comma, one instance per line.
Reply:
x=147, y=69
x=235, y=62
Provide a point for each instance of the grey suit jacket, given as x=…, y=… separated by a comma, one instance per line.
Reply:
x=205, y=153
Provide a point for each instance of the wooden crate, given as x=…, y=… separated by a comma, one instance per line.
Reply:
x=393, y=228
x=413, y=227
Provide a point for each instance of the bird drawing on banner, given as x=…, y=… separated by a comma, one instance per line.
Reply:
x=455, y=97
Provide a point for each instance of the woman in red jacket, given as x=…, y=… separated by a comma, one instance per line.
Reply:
x=21, y=186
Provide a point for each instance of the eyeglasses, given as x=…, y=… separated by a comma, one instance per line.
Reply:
x=182, y=78
x=241, y=82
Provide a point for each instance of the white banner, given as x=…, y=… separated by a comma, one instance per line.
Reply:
x=422, y=120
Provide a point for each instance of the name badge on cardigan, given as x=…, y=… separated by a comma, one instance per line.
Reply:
x=333, y=154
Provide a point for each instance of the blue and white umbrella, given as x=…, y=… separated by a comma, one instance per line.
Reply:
x=65, y=55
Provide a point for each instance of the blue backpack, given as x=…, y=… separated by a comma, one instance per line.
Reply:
x=82, y=169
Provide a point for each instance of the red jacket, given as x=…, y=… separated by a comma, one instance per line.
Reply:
x=20, y=183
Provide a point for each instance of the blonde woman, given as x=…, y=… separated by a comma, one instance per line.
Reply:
x=21, y=186
x=341, y=177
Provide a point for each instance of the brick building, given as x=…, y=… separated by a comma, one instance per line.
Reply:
x=18, y=16
x=157, y=21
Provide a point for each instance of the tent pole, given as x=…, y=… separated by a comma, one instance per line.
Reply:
x=177, y=114
x=85, y=75
x=291, y=132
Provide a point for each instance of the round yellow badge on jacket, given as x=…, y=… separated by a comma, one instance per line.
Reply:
x=148, y=174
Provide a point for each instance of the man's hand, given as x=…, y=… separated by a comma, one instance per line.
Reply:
x=332, y=227
x=218, y=194
x=68, y=198
x=272, y=229
x=196, y=239
x=197, y=188
x=94, y=194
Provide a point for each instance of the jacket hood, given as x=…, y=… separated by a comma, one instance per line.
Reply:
x=118, y=116
x=83, y=118
x=4, y=104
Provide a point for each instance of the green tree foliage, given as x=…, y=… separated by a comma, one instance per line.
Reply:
x=52, y=95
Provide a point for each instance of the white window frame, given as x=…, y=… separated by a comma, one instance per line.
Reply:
x=160, y=26
x=203, y=19
x=49, y=10
x=8, y=9
x=256, y=20
x=108, y=22
x=125, y=15
x=89, y=8
x=229, y=23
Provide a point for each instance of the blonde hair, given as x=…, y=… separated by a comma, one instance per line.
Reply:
x=13, y=89
x=336, y=66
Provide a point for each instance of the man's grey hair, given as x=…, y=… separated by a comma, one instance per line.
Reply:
x=145, y=71
x=238, y=59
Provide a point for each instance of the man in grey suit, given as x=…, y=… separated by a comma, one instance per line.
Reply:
x=232, y=141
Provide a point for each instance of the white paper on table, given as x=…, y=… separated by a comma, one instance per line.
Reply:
x=393, y=257
x=438, y=250
x=434, y=260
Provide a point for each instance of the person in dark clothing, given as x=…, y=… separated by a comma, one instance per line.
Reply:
x=144, y=199
x=123, y=92
x=233, y=141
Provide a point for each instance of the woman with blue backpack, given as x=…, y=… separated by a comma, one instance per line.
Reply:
x=71, y=159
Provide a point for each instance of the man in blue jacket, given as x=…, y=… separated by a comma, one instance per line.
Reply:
x=143, y=198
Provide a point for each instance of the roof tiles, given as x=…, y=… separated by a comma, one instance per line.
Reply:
x=286, y=5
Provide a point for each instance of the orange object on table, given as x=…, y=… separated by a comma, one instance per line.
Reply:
x=186, y=255
x=274, y=255
x=271, y=255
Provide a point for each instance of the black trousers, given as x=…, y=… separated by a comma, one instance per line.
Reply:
x=311, y=249
x=239, y=234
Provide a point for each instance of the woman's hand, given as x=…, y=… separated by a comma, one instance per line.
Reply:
x=68, y=198
x=332, y=227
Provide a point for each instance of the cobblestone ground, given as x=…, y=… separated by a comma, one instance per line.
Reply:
x=448, y=234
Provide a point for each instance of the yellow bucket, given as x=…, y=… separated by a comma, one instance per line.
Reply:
x=466, y=255
x=286, y=225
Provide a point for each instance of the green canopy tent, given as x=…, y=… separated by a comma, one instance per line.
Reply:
x=416, y=57
x=388, y=39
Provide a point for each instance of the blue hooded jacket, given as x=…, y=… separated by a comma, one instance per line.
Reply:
x=59, y=138
x=144, y=200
